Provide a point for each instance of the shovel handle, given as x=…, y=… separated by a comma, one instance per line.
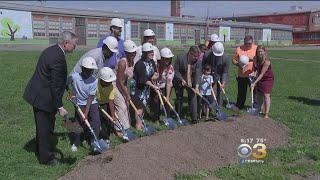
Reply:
x=107, y=114
x=224, y=92
x=213, y=94
x=252, y=95
x=195, y=91
x=133, y=106
x=160, y=98
x=168, y=102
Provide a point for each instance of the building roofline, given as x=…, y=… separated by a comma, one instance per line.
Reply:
x=135, y=17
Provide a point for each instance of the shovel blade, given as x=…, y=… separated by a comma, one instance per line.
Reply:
x=183, y=122
x=170, y=123
x=253, y=111
x=221, y=116
x=148, y=130
x=129, y=135
x=99, y=146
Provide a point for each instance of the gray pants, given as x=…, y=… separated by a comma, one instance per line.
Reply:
x=192, y=100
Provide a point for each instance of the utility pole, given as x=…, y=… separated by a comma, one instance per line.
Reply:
x=207, y=21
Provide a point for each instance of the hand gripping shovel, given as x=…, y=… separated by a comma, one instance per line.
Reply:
x=229, y=106
x=221, y=116
x=169, y=122
x=180, y=121
x=206, y=100
x=96, y=145
x=127, y=134
x=148, y=130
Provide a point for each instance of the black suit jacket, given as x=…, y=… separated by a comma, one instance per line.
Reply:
x=181, y=68
x=219, y=65
x=47, y=85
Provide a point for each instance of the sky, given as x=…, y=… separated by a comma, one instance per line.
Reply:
x=194, y=8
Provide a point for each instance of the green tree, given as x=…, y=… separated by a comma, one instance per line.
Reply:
x=9, y=28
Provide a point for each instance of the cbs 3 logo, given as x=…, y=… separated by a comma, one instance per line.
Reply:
x=258, y=151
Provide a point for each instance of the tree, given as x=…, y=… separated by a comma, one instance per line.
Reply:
x=9, y=28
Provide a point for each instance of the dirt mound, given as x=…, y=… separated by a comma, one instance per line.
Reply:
x=188, y=149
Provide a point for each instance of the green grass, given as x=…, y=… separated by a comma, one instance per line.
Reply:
x=300, y=112
x=295, y=102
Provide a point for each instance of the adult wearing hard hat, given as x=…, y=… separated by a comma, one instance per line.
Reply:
x=124, y=71
x=213, y=39
x=105, y=97
x=244, y=68
x=219, y=63
x=187, y=72
x=84, y=87
x=143, y=74
x=101, y=55
x=44, y=93
x=164, y=81
x=148, y=36
x=115, y=31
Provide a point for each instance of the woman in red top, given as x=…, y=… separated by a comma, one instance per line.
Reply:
x=264, y=79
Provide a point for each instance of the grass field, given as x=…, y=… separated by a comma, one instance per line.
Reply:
x=295, y=102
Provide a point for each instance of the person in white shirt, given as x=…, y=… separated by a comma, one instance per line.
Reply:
x=148, y=36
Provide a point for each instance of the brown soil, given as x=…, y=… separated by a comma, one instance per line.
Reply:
x=188, y=149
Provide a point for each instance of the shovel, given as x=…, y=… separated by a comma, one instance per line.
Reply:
x=169, y=122
x=206, y=100
x=229, y=106
x=127, y=134
x=252, y=111
x=180, y=121
x=220, y=114
x=97, y=145
x=148, y=130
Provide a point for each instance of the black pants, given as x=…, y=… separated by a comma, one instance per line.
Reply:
x=45, y=122
x=94, y=121
x=155, y=105
x=192, y=100
x=243, y=83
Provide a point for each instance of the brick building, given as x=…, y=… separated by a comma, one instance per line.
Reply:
x=306, y=24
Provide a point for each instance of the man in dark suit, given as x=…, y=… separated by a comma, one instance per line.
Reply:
x=218, y=60
x=187, y=72
x=45, y=91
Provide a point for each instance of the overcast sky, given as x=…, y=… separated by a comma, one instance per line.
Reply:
x=194, y=8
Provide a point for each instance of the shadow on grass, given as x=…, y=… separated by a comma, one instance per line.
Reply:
x=30, y=146
x=304, y=100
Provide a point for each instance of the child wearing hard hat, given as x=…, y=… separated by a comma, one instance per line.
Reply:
x=84, y=86
x=105, y=96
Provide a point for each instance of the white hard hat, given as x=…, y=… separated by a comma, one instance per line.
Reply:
x=218, y=49
x=107, y=74
x=148, y=32
x=214, y=38
x=116, y=22
x=166, y=53
x=243, y=60
x=130, y=46
x=112, y=43
x=89, y=62
x=147, y=47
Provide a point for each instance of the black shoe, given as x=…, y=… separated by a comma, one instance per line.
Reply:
x=53, y=162
x=194, y=121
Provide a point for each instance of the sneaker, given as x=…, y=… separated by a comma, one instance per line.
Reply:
x=74, y=148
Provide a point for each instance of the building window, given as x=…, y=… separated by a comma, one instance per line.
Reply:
x=237, y=33
x=134, y=30
x=176, y=31
x=160, y=31
x=39, y=28
x=67, y=26
x=54, y=28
